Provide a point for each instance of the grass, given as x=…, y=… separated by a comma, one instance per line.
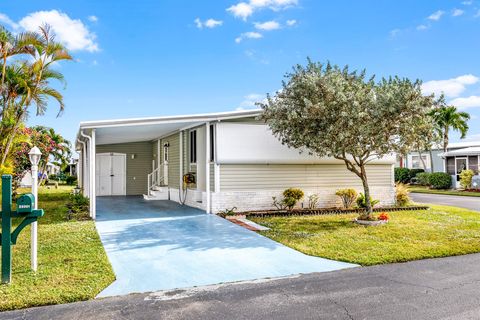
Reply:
x=72, y=264
x=409, y=235
x=420, y=189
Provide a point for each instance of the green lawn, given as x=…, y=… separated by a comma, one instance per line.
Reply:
x=420, y=189
x=72, y=264
x=410, y=235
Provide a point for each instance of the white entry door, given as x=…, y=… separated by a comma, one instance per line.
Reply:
x=111, y=174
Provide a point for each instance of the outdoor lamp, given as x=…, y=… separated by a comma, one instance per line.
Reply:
x=34, y=155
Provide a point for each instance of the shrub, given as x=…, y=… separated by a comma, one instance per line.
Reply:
x=415, y=172
x=402, y=175
x=440, y=180
x=466, y=178
x=348, y=197
x=313, y=201
x=71, y=180
x=290, y=198
x=423, y=178
x=79, y=207
x=361, y=201
x=401, y=195
x=294, y=193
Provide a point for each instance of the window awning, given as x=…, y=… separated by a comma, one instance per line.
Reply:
x=471, y=151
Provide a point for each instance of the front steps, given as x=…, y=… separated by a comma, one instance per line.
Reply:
x=157, y=193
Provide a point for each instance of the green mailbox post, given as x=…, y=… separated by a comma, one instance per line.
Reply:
x=25, y=210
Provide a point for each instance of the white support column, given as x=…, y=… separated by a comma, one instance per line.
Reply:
x=207, y=166
x=93, y=199
x=34, y=226
x=181, y=161
x=85, y=171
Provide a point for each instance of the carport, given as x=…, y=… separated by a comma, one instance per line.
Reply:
x=159, y=245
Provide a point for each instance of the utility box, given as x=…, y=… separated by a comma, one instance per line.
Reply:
x=25, y=203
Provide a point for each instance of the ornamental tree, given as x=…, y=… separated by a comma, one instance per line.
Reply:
x=334, y=112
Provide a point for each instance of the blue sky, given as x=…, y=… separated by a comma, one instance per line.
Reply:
x=155, y=58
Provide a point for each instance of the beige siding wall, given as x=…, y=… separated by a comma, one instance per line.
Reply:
x=173, y=159
x=212, y=177
x=138, y=168
x=272, y=177
x=154, y=152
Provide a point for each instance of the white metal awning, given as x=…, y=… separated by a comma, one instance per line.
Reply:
x=147, y=129
x=471, y=151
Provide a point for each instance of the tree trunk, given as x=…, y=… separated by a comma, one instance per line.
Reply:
x=431, y=160
x=445, y=140
x=366, y=190
x=421, y=159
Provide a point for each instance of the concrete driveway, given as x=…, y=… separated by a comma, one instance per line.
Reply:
x=472, y=203
x=158, y=245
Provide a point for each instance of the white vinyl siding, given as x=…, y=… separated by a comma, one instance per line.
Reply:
x=279, y=177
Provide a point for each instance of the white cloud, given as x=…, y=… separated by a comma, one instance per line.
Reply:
x=422, y=27
x=245, y=9
x=241, y=10
x=71, y=32
x=395, y=32
x=250, y=100
x=248, y=35
x=9, y=22
x=93, y=18
x=436, y=15
x=267, y=26
x=467, y=3
x=450, y=87
x=291, y=23
x=468, y=102
x=210, y=23
x=457, y=12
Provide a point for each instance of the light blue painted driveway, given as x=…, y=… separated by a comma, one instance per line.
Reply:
x=158, y=245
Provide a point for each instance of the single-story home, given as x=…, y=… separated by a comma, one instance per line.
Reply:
x=231, y=159
x=462, y=159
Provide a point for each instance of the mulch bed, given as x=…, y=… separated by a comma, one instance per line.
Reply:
x=322, y=211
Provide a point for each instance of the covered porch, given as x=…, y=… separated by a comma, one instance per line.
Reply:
x=463, y=159
x=151, y=157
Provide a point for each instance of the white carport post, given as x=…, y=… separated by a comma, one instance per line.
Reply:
x=91, y=170
x=207, y=165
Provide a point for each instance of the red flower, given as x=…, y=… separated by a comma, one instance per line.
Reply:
x=383, y=216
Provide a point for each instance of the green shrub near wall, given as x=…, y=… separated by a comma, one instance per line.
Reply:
x=402, y=175
x=440, y=180
x=423, y=178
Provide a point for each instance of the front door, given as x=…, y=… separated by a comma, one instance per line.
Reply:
x=165, y=164
x=111, y=174
x=460, y=165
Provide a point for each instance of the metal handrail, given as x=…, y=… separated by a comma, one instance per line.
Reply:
x=154, y=179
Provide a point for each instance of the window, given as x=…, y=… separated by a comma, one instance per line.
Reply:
x=451, y=165
x=417, y=163
x=212, y=143
x=193, y=146
x=473, y=163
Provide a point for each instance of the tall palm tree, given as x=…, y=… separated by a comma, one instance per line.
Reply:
x=32, y=87
x=448, y=117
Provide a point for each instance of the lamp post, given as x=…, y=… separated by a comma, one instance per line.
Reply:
x=34, y=155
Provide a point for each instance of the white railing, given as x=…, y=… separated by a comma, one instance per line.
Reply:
x=154, y=179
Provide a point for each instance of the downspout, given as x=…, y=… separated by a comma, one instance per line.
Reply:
x=81, y=166
x=90, y=175
x=180, y=187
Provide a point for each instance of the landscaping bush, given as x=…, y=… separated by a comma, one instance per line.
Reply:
x=290, y=198
x=401, y=195
x=71, y=180
x=79, y=207
x=415, y=172
x=440, y=180
x=402, y=175
x=348, y=197
x=361, y=201
x=313, y=201
x=423, y=178
x=466, y=178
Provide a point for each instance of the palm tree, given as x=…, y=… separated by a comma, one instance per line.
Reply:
x=31, y=83
x=448, y=117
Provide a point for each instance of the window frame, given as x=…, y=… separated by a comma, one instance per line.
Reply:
x=212, y=142
x=193, y=146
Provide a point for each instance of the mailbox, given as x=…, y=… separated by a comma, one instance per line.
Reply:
x=25, y=203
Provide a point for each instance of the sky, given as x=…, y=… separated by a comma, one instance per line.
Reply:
x=167, y=57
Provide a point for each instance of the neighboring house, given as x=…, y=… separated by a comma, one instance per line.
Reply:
x=27, y=180
x=233, y=157
x=413, y=161
x=461, y=159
